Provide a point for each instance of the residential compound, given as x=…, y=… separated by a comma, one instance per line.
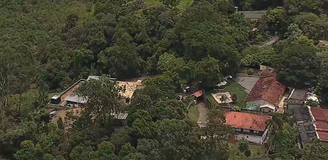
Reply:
x=251, y=127
x=70, y=99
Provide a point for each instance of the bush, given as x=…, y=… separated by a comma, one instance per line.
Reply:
x=243, y=145
x=236, y=108
x=234, y=98
x=250, y=71
x=247, y=153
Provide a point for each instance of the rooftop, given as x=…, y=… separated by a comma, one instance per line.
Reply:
x=247, y=120
x=198, y=93
x=253, y=15
x=298, y=94
x=268, y=89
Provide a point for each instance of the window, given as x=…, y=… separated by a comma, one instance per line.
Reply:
x=245, y=130
x=256, y=131
x=238, y=129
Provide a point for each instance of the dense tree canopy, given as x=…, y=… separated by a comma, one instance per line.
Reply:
x=46, y=45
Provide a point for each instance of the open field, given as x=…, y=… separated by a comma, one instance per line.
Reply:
x=257, y=151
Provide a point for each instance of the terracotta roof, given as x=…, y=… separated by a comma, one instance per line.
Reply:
x=198, y=93
x=319, y=114
x=268, y=73
x=247, y=120
x=323, y=136
x=268, y=89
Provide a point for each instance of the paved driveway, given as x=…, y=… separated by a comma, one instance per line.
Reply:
x=247, y=82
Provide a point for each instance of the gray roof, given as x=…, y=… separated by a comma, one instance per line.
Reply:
x=254, y=15
x=75, y=98
x=120, y=115
x=299, y=94
x=302, y=114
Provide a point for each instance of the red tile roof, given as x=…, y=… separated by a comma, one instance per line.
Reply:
x=247, y=120
x=268, y=89
x=320, y=116
x=198, y=93
x=323, y=136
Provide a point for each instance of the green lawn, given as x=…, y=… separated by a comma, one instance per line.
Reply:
x=183, y=3
x=193, y=114
x=257, y=151
x=232, y=88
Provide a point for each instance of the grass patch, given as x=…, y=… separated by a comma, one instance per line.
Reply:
x=183, y=3
x=193, y=114
x=232, y=88
x=257, y=151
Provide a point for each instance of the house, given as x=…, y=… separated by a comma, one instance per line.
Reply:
x=324, y=42
x=296, y=98
x=266, y=94
x=251, y=127
x=311, y=122
x=253, y=15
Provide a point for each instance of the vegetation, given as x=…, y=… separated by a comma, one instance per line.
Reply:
x=47, y=45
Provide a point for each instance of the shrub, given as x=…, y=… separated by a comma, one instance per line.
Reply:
x=250, y=71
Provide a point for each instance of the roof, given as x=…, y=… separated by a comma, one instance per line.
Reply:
x=268, y=106
x=253, y=15
x=93, y=77
x=75, y=98
x=247, y=120
x=302, y=114
x=198, y=93
x=268, y=73
x=319, y=114
x=268, y=89
x=298, y=94
x=323, y=136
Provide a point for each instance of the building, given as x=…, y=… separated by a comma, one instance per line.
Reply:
x=296, y=98
x=253, y=15
x=251, y=127
x=265, y=95
x=311, y=122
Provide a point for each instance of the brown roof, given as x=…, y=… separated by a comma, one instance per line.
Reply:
x=247, y=120
x=198, y=93
x=268, y=73
x=268, y=89
x=320, y=116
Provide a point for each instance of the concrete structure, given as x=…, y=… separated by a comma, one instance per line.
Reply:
x=251, y=127
x=296, y=98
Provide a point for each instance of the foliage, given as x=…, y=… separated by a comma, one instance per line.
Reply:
x=314, y=150
x=243, y=145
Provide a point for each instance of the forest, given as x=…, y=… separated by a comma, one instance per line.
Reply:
x=46, y=45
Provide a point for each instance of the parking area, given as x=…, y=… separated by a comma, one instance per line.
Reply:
x=247, y=82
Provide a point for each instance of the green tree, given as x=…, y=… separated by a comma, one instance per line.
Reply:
x=170, y=3
x=208, y=71
x=102, y=98
x=314, y=150
x=126, y=150
x=243, y=145
x=29, y=151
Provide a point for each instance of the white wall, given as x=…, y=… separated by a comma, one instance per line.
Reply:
x=253, y=138
x=260, y=103
x=250, y=138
